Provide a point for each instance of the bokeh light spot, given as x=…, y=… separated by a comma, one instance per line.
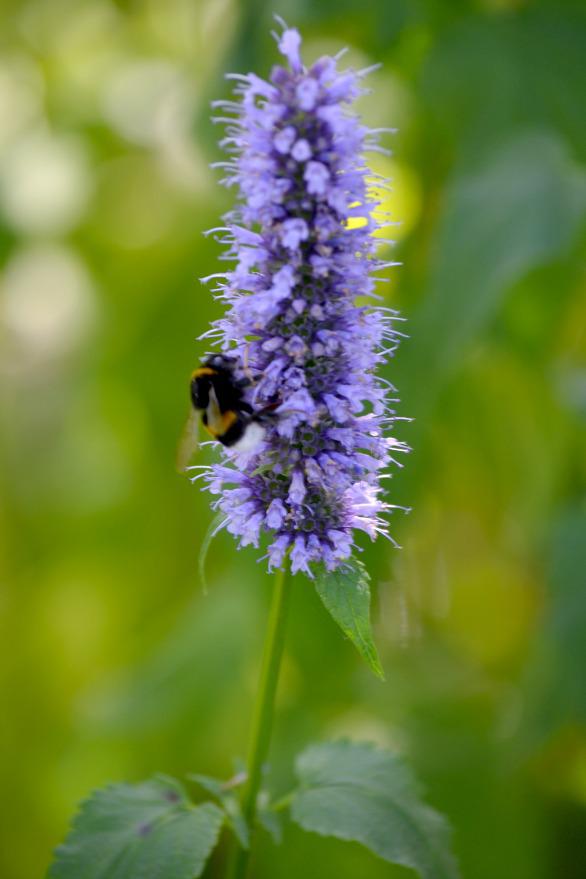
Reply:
x=46, y=303
x=44, y=183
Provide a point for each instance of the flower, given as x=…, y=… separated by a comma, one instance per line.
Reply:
x=292, y=316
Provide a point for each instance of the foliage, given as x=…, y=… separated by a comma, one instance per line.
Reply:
x=348, y=790
x=357, y=792
x=147, y=830
x=346, y=595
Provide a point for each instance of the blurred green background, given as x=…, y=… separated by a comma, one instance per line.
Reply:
x=113, y=663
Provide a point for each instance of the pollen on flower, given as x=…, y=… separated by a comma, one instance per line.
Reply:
x=301, y=237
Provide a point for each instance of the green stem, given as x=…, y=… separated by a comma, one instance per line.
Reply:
x=262, y=720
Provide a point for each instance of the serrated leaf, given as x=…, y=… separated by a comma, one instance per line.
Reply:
x=358, y=792
x=139, y=831
x=346, y=596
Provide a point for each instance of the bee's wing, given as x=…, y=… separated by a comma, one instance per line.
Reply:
x=214, y=415
x=189, y=441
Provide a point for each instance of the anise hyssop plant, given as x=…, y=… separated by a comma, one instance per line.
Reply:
x=302, y=260
x=293, y=396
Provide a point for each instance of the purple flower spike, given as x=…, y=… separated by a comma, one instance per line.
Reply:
x=300, y=263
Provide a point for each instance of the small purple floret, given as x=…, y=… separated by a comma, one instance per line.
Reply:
x=300, y=264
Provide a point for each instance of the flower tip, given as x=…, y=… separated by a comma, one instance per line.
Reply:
x=289, y=45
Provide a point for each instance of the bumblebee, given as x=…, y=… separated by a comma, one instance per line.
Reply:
x=217, y=398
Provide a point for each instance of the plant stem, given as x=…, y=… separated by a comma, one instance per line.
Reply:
x=262, y=720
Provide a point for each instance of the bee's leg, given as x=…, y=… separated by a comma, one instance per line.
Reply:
x=269, y=409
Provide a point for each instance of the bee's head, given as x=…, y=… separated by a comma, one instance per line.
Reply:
x=219, y=362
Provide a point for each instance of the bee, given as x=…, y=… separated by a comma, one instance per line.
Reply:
x=217, y=400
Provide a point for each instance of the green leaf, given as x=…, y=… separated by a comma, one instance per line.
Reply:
x=358, y=792
x=212, y=786
x=271, y=822
x=346, y=595
x=223, y=793
x=139, y=831
x=268, y=818
x=213, y=529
